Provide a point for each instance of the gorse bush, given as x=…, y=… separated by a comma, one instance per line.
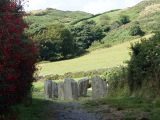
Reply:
x=144, y=66
x=124, y=19
x=136, y=30
x=17, y=55
x=106, y=28
x=115, y=25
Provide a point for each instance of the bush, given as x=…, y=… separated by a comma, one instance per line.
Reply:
x=17, y=56
x=117, y=81
x=86, y=33
x=124, y=19
x=106, y=28
x=144, y=66
x=55, y=43
x=136, y=30
x=104, y=20
x=115, y=25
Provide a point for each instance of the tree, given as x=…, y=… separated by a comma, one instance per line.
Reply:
x=136, y=30
x=17, y=55
x=124, y=19
x=86, y=33
x=56, y=43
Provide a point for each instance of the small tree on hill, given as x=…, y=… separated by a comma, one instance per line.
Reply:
x=136, y=30
x=124, y=19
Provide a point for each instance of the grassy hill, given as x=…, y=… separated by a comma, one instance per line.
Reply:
x=50, y=15
x=38, y=19
x=101, y=58
x=146, y=13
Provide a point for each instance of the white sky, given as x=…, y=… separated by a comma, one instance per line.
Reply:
x=91, y=6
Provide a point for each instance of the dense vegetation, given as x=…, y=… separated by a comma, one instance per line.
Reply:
x=17, y=57
x=136, y=30
x=144, y=67
x=55, y=42
x=141, y=76
x=86, y=34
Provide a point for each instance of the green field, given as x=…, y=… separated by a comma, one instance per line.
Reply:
x=98, y=59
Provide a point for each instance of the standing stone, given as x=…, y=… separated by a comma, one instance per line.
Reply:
x=83, y=86
x=61, y=91
x=48, y=88
x=70, y=89
x=99, y=87
x=54, y=90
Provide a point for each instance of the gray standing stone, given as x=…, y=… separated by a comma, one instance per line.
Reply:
x=99, y=87
x=48, y=88
x=54, y=90
x=70, y=89
x=61, y=91
x=83, y=86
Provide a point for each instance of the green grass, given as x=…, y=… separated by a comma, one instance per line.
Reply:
x=38, y=109
x=34, y=112
x=132, y=106
x=53, y=16
x=101, y=58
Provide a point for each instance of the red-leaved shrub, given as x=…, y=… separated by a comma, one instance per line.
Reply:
x=17, y=55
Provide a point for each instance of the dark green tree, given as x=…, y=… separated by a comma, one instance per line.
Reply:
x=124, y=19
x=56, y=43
x=86, y=33
x=136, y=30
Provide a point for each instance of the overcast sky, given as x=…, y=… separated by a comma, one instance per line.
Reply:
x=91, y=6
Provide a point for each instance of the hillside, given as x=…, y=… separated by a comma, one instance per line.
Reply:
x=146, y=13
x=102, y=58
x=53, y=15
x=38, y=19
x=115, y=42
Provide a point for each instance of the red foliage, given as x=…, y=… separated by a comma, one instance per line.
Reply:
x=17, y=56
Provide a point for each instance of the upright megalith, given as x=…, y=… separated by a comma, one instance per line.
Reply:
x=54, y=90
x=99, y=87
x=61, y=91
x=70, y=89
x=48, y=88
x=82, y=87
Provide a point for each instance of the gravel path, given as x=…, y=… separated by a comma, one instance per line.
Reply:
x=75, y=111
x=70, y=111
